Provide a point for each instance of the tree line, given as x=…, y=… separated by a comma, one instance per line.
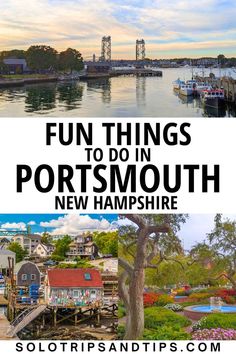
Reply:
x=43, y=57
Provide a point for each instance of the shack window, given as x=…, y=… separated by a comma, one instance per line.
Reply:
x=33, y=276
x=76, y=293
x=87, y=276
x=24, y=277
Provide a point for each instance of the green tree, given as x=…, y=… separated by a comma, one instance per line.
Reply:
x=62, y=246
x=41, y=57
x=18, y=250
x=222, y=241
x=221, y=59
x=46, y=238
x=70, y=59
x=150, y=238
x=14, y=53
x=107, y=242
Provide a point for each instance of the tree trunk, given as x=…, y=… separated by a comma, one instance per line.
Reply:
x=135, y=311
x=135, y=315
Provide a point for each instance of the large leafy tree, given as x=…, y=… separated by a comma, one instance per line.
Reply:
x=46, y=238
x=153, y=235
x=70, y=59
x=204, y=265
x=41, y=57
x=107, y=242
x=18, y=250
x=62, y=247
x=222, y=241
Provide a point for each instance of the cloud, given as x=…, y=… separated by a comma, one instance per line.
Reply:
x=81, y=24
x=31, y=223
x=14, y=225
x=74, y=224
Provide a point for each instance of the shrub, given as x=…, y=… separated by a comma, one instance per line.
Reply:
x=121, y=311
x=184, y=292
x=159, y=317
x=149, y=299
x=226, y=292
x=174, y=307
x=231, y=300
x=57, y=258
x=228, y=295
x=215, y=334
x=120, y=331
x=199, y=296
x=165, y=333
x=218, y=320
x=164, y=300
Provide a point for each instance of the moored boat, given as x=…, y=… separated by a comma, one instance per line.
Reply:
x=177, y=84
x=186, y=89
x=202, y=86
x=213, y=97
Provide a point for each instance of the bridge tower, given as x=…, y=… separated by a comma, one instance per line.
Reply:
x=140, y=49
x=106, y=48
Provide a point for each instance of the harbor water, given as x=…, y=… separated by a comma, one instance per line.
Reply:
x=124, y=96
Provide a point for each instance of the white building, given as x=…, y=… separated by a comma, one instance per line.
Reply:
x=4, y=256
x=28, y=241
x=110, y=265
x=43, y=251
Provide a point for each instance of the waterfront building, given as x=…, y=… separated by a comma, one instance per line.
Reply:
x=26, y=274
x=98, y=67
x=4, y=260
x=15, y=66
x=27, y=241
x=73, y=287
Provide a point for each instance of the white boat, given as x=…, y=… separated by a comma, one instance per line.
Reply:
x=186, y=89
x=177, y=84
x=213, y=97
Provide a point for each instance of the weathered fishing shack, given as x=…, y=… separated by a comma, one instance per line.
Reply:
x=73, y=287
x=27, y=274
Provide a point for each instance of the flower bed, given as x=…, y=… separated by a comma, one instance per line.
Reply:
x=149, y=299
x=174, y=307
x=214, y=334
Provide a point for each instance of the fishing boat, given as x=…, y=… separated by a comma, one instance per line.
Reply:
x=186, y=89
x=213, y=97
x=202, y=86
x=177, y=83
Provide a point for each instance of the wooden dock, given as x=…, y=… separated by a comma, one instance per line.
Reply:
x=136, y=72
x=4, y=327
x=3, y=301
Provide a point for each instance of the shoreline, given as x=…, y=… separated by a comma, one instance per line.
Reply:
x=22, y=82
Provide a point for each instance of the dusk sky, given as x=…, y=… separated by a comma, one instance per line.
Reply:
x=193, y=231
x=173, y=28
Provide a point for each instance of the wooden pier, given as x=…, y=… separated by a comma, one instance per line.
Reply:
x=3, y=301
x=136, y=72
x=4, y=327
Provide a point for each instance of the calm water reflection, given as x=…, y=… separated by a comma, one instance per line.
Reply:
x=121, y=96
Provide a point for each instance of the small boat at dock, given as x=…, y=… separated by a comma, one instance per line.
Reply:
x=202, y=86
x=186, y=89
x=177, y=83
